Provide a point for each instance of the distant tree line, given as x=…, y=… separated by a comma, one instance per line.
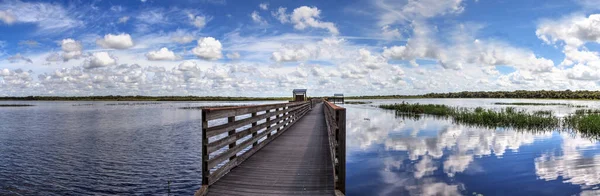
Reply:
x=520, y=94
x=142, y=98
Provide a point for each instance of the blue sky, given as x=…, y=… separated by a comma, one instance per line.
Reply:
x=267, y=48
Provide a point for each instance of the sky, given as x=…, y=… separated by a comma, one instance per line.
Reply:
x=268, y=48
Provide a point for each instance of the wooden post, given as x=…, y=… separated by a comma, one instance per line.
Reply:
x=205, y=170
x=269, y=123
x=255, y=133
x=231, y=119
x=341, y=148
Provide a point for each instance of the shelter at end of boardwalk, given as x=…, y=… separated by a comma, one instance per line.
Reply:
x=337, y=98
x=299, y=95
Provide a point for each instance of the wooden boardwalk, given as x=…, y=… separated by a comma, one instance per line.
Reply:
x=295, y=148
x=296, y=163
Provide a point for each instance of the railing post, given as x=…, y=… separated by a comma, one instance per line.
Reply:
x=269, y=123
x=341, y=148
x=255, y=133
x=205, y=170
x=231, y=119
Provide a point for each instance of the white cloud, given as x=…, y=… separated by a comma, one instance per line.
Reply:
x=50, y=18
x=233, y=55
x=120, y=41
x=71, y=49
x=305, y=16
x=257, y=19
x=370, y=61
x=99, y=59
x=208, y=49
x=389, y=33
x=182, y=37
x=291, y=53
x=18, y=58
x=263, y=6
x=465, y=51
x=573, y=31
x=198, y=21
x=123, y=19
x=162, y=54
x=401, y=11
x=281, y=15
x=7, y=17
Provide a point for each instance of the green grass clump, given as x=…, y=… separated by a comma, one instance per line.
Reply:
x=507, y=117
x=357, y=102
x=15, y=105
x=539, y=104
x=585, y=123
x=433, y=109
x=587, y=111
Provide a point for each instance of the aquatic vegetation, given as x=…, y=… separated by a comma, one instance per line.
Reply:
x=539, y=104
x=128, y=104
x=15, y=105
x=357, y=102
x=507, y=117
x=433, y=109
x=587, y=111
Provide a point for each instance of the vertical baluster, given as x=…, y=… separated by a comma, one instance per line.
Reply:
x=231, y=119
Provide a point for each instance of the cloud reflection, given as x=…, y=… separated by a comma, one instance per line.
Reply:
x=571, y=162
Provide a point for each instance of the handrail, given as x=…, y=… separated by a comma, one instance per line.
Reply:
x=223, y=145
x=335, y=117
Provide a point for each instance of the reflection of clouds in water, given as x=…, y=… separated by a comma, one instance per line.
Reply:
x=399, y=183
x=425, y=142
x=461, y=144
x=570, y=163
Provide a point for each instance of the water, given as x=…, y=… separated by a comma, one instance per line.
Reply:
x=389, y=155
x=74, y=148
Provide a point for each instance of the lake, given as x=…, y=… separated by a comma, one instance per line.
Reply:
x=154, y=148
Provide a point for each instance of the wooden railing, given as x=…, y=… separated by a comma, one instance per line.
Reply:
x=335, y=117
x=225, y=146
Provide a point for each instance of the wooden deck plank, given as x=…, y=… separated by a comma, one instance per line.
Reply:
x=296, y=163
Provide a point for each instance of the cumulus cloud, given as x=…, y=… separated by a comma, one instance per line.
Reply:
x=208, y=48
x=305, y=16
x=281, y=15
x=120, y=41
x=233, y=55
x=257, y=19
x=465, y=51
x=198, y=21
x=573, y=31
x=184, y=39
x=263, y=6
x=7, y=17
x=99, y=59
x=71, y=49
x=18, y=58
x=123, y=19
x=291, y=53
x=162, y=54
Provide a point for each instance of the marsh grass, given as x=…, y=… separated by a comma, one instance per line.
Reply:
x=509, y=117
x=357, y=102
x=15, y=105
x=539, y=104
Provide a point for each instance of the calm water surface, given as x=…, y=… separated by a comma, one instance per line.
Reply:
x=389, y=155
x=97, y=148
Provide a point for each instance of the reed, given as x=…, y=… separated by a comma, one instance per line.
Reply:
x=507, y=117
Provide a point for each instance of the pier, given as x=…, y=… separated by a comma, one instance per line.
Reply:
x=296, y=148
